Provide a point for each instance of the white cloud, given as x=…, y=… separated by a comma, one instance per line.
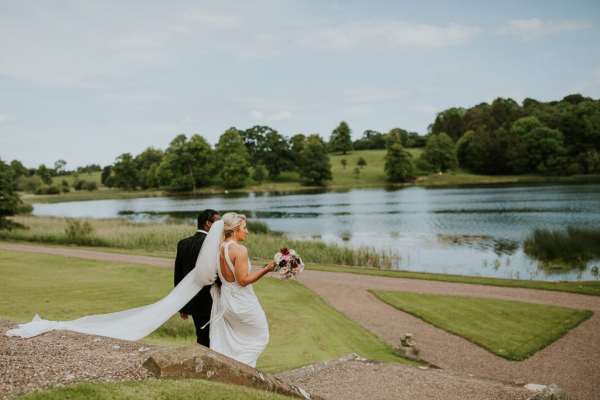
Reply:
x=389, y=34
x=535, y=27
x=261, y=116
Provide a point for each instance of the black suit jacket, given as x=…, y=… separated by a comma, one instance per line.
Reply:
x=187, y=253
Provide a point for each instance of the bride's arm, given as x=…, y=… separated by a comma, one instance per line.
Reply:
x=242, y=275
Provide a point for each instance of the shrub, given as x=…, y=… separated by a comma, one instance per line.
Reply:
x=78, y=184
x=79, y=232
x=90, y=186
x=48, y=190
x=29, y=183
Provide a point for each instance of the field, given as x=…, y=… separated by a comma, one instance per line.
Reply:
x=511, y=329
x=304, y=329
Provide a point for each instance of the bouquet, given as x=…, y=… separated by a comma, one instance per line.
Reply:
x=288, y=263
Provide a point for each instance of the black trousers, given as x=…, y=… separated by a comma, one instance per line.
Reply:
x=202, y=334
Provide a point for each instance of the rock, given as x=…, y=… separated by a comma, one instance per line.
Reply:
x=550, y=392
x=116, y=347
x=200, y=362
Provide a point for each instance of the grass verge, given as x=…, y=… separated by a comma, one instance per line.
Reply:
x=304, y=329
x=154, y=237
x=183, y=389
x=511, y=329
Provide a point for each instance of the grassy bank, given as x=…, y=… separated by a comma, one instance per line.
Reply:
x=591, y=288
x=303, y=328
x=370, y=176
x=511, y=329
x=161, y=239
x=184, y=389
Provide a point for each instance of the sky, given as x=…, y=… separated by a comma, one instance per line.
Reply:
x=86, y=81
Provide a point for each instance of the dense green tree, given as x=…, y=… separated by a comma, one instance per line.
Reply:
x=449, y=122
x=259, y=173
x=125, y=173
x=399, y=166
x=361, y=163
x=147, y=163
x=186, y=164
x=370, y=140
x=9, y=200
x=105, y=176
x=232, y=159
x=440, y=152
x=44, y=173
x=315, y=166
x=18, y=169
x=545, y=150
x=341, y=139
x=267, y=146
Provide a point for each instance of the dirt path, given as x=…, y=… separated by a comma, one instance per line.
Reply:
x=572, y=361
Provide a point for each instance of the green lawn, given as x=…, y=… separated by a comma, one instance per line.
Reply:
x=163, y=389
x=304, y=329
x=511, y=329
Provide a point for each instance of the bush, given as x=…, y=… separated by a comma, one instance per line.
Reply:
x=48, y=190
x=29, y=183
x=78, y=184
x=90, y=186
x=78, y=232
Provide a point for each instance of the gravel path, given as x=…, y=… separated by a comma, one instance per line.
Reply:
x=60, y=357
x=358, y=380
x=572, y=361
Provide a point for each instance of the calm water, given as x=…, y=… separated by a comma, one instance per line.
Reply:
x=472, y=231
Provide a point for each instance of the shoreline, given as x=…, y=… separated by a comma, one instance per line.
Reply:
x=431, y=181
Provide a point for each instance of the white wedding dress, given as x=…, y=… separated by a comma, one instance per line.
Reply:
x=238, y=327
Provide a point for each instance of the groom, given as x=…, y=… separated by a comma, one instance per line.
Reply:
x=187, y=253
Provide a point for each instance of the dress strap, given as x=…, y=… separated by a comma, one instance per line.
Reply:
x=227, y=259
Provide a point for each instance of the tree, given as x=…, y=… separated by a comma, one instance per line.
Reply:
x=315, y=166
x=545, y=149
x=233, y=159
x=440, y=152
x=105, y=176
x=398, y=164
x=265, y=145
x=370, y=140
x=341, y=139
x=260, y=173
x=356, y=172
x=449, y=122
x=126, y=174
x=45, y=174
x=18, y=169
x=59, y=167
x=296, y=145
x=361, y=162
x=147, y=163
x=186, y=164
x=9, y=200
x=344, y=162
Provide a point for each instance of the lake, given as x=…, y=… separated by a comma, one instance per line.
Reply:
x=468, y=230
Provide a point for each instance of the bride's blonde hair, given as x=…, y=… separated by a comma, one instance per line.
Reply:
x=232, y=222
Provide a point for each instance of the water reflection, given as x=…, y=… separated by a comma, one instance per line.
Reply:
x=472, y=231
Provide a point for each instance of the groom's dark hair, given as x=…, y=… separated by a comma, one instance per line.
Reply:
x=205, y=216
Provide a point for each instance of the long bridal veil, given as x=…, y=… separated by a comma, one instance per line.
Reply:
x=136, y=323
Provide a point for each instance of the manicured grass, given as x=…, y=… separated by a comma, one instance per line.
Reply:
x=163, y=389
x=304, y=329
x=511, y=329
x=162, y=238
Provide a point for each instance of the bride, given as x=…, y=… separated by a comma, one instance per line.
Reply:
x=238, y=325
